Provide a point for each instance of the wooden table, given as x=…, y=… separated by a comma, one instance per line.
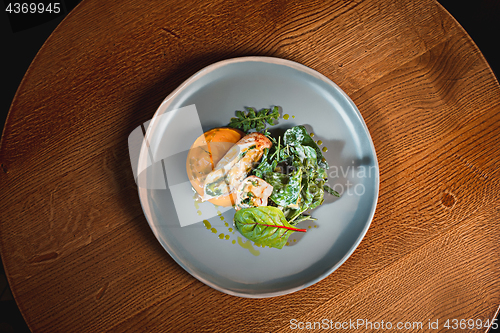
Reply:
x=78, y=252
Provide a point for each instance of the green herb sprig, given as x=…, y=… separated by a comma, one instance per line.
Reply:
x=254, y=120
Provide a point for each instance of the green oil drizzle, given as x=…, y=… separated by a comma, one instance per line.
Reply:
x=234, y=241
x=248, y=245
x=293, y=117
x=207, y=224
x=199, y=212
x=230, y=229
x=312, y=135
x=286, y=116
x=325, y=149
x=214, y=230
x=320, y=142
x=227, y=236
x=221, y=236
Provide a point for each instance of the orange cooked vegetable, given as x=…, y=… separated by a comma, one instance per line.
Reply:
x=205, y=153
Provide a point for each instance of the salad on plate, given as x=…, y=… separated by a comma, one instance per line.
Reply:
x=273, y=182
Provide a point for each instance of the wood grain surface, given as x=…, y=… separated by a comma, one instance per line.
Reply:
x=77, y=249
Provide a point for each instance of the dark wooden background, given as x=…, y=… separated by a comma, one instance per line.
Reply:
x=481, y=19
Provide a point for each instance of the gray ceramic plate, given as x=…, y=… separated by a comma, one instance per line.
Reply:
x=232, y=264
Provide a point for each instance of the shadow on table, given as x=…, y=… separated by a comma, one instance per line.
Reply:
x=11, y=320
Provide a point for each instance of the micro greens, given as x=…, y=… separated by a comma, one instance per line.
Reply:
x=297, y=171
x=255, y=120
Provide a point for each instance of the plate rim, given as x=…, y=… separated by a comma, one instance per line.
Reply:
x=276, y=61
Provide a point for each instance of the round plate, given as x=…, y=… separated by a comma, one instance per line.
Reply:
x=198, y=236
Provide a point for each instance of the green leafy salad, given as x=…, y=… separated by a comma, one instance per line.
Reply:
x=297, y=171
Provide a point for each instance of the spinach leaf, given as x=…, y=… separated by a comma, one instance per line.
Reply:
x=305, y=153
x=266, y=165
x=286, y=188
x=321, y=173
x=331, y=191
x=264, y=225
x=318, y=195
x=307, y=156
x=298, y=136
x=306, y=194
